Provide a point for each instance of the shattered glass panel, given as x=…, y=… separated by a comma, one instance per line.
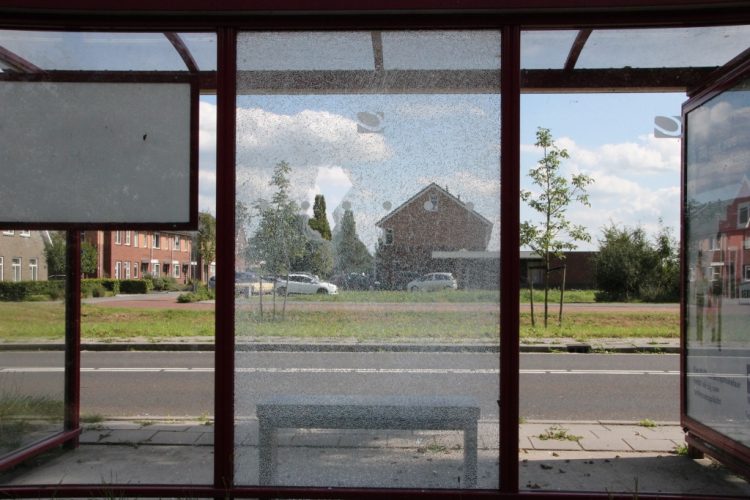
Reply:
x=367, y=263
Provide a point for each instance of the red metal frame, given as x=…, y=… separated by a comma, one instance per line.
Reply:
x=699, y=435
x=511, y=16
x=225, y=238
x=73, y=337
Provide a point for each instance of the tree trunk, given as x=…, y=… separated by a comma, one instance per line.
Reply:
x=531, y=295
x=562, y=294
x=546, y=290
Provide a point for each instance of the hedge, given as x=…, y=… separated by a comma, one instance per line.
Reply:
x=135, y=286
x=25, y=290
x=99, y=287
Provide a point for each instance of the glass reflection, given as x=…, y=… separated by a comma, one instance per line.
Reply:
x=368, y=262
x=718, y=259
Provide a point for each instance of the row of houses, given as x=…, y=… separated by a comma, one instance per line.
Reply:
x=121, y=254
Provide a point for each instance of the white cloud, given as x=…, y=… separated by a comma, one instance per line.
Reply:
x=646, y=156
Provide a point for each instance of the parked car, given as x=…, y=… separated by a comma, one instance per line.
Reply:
x=433, y=282
x=355, y=281
x=400, y=280
x=249, y=283
x=305, y=284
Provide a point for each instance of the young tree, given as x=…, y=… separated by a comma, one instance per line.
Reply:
x=206, y=239
x=319, y=222
x=279, y=240
x=89, y=258
x=555, y=233
x=351, y=253
x=54, y=253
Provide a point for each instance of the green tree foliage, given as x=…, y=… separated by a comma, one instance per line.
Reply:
x=351, y=254
x=89, y=258
x=206, y=239
x=54, y=253
x=319, y=222
x=555, y=234
x=279, y=240
x=630, y=267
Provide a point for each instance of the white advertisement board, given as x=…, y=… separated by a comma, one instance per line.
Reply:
x=95, y=153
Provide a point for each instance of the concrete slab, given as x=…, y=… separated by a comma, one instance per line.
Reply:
x=663, y=445
x=175, y=437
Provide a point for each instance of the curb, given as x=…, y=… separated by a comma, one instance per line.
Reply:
x=302, y=347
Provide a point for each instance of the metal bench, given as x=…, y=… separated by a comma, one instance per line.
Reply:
x=366, y=412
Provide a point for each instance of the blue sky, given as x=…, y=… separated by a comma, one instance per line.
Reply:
x=453, y=140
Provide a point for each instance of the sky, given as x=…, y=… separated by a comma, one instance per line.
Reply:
x=452, y=140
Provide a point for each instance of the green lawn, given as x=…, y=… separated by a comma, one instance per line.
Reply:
x=468, y=316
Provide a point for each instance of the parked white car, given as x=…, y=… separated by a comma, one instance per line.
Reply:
x=304, y=283
x=433, y=282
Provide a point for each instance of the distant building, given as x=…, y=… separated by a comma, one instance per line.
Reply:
x=127, y=254
x=434, y=231
x=22, y=256
x=580, y=270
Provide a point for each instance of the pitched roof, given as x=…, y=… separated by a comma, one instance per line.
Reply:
x=433, y=185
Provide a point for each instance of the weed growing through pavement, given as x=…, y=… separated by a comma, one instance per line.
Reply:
x=681, y=450
x=647, y=422
x=558, y=433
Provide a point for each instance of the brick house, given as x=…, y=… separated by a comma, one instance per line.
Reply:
x=720, y=231
x=22, y=255
x=417, y=234
x=133, y=254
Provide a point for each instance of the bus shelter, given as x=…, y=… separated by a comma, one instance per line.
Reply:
x=403, y=108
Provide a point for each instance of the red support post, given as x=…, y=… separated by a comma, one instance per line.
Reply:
x=225, y=196
x=510, y=261
x=73, y=337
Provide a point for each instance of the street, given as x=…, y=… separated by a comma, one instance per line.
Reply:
x=177, y=384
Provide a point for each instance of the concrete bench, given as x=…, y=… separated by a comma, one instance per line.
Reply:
x=366, y=412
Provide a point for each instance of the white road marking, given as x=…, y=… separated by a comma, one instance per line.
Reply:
x=409, y=371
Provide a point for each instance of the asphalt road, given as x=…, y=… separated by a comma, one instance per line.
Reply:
x=553, y=386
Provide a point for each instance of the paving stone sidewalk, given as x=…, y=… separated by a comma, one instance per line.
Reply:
x=533, y=435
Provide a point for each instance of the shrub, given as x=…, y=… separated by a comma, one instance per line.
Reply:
x=99, y=287
x=136, y=286
x=31, y=290
x=201, y=293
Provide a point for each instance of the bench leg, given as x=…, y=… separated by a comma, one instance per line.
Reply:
x=470, y=456
x=266, y=454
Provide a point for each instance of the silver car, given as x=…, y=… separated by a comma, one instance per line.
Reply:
x=432, y=282
x=304, y=283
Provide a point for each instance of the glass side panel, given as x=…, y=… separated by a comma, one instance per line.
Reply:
x=367, y=269
x=32, y=309
x=717, y=210
x=658, y=48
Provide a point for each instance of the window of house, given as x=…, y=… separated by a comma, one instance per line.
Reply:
x=33, y=269
x=176, y=269
x=156, y=240
x=117, y=238
x=2, y=269
x=16, y=263
x=432, y=205
x=127, y=270
x=715, y=243
x=25, y=233
x=176, y=242
x=118, y=270
x=743, y=215
x=389, y=236
x=135, y=238
x=9, y=232
x=155, y=269
x=746, y=275
x=135, y=270
x=127, y=237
